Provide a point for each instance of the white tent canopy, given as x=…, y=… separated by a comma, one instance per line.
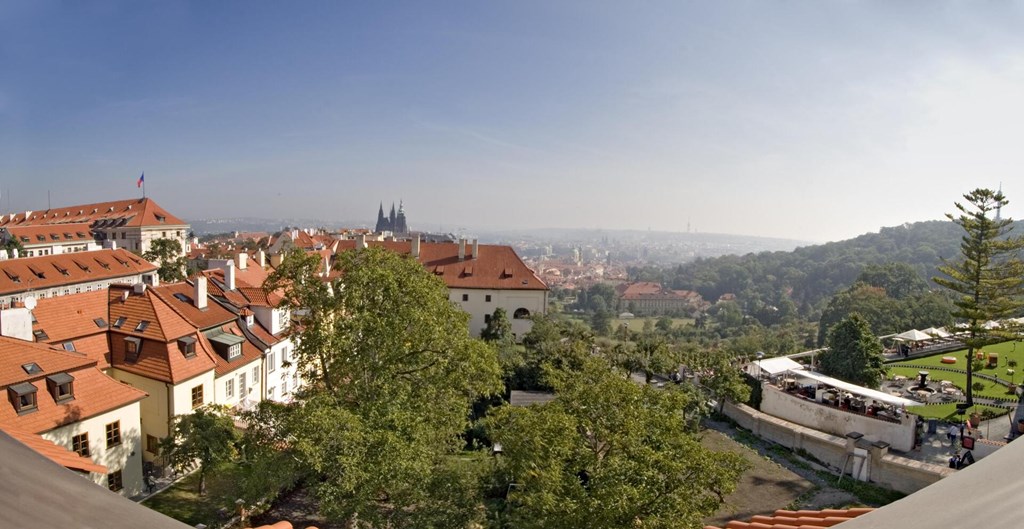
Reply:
x=936, y=332
x=773, y=366
x=914, y=335
x=855, y=389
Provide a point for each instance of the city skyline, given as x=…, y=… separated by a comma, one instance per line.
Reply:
x=796, y=121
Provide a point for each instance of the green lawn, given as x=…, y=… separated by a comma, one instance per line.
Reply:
x=947, y=412
x=992, y=389
x=181, y=502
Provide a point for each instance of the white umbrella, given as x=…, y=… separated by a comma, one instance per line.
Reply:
x=913, y=335
x=936, y=333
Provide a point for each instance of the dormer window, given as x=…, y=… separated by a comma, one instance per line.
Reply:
x=23, y=397
x=227, y=345
x=61, y=386
x=132, y=346
x=187, y=346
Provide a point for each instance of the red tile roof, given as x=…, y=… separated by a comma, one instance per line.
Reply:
x=52, y=451
x=72, y=318
x=497, y=267
x=646, y=290
x=50, y=234
x=159, y=357
x=48, y=271
x=212, y=316
x=135, y=212
x=783, y=519
x=94, y=392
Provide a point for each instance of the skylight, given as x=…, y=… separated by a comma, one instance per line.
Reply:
x=100, y=322
x=182, y=297
x=142, y=326
x=32, y=368
x=40, y=335
x=120, y=321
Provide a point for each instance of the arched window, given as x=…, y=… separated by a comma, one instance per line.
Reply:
x=521, y=314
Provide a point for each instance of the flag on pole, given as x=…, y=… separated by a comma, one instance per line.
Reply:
x=142, y=180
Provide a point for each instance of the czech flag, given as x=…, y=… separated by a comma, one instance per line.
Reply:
x=142, y=179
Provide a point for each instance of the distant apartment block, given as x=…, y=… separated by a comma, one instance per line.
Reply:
x=63, y=274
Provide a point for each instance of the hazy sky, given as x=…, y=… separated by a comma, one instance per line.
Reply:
x=806, y=120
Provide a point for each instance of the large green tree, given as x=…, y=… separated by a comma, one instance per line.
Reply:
x=854, y=354
x=608, y=454
x=207, y=436
x=988, y=276
x=167, y=254
x=394, y=373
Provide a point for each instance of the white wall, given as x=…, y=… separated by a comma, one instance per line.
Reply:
x=253, y=384
x=126, y=457
x=778, y=403
x=535, y=301
x=281, y=374
x=5, y=301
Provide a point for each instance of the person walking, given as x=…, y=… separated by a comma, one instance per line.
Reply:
x=952, y=433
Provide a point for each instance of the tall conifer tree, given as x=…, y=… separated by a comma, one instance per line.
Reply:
x=988, y=277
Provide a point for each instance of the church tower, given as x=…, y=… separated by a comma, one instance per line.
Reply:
x=400, y=226
x=382, y=223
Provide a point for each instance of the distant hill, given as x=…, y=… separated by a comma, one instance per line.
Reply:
x=810, y=275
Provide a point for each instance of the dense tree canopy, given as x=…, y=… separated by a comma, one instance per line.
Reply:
x=854, y=354
x=608, y=454
x=988, y=276
x=167, y=253
x=394, y=374
x=207, y=435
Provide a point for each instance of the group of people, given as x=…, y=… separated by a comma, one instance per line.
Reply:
x=959, y=460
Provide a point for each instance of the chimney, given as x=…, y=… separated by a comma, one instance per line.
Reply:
x=3, y=255
x=124, y=296
x=476, y=248
x=139, y=288
x=243, y=259
x=361, y=241
x=16, y=322
x=275, y=260
x=229, y=275
x=261, y=259
x=462, y=249
x=14, y=253
x=199, y=294
x=109, y=245
x=415, y=248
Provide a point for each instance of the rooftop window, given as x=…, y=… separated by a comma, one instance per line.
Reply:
x=142, y=326
x=100, y=322
x=32, y=368
x=23, y=397
x=69, y=346
x=119, y=322
x=40, y=335
x=132, y=346
x=187, y=346
x=61, y=386
x=182, y=297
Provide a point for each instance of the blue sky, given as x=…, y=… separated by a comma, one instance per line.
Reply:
x=805, y=120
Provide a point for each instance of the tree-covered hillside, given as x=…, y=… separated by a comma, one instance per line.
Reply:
x=806, y=278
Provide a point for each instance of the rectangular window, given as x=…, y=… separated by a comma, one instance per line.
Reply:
x=241, y=385
x=284, y=387
x=487, y=298
x=255, y=375
x=487, y=318
x=197, y=396
x=229, y=388
x=465, y=297
x=270, y=393
x=80, y=444
x=152, y=444
x=270, y=363
x=114, y=481
x=114, y=434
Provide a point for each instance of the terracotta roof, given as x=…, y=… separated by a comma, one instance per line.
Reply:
x=250, y=353
x=52, y=451
x=94, y=392
x=135, y=212
x=648, y=290
x=48, y=271
x=50, y=234
x=159, y=357
x=284, y=524
x=783, y=519
x=497, y=267
x=179, y=296
x=68, y=317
